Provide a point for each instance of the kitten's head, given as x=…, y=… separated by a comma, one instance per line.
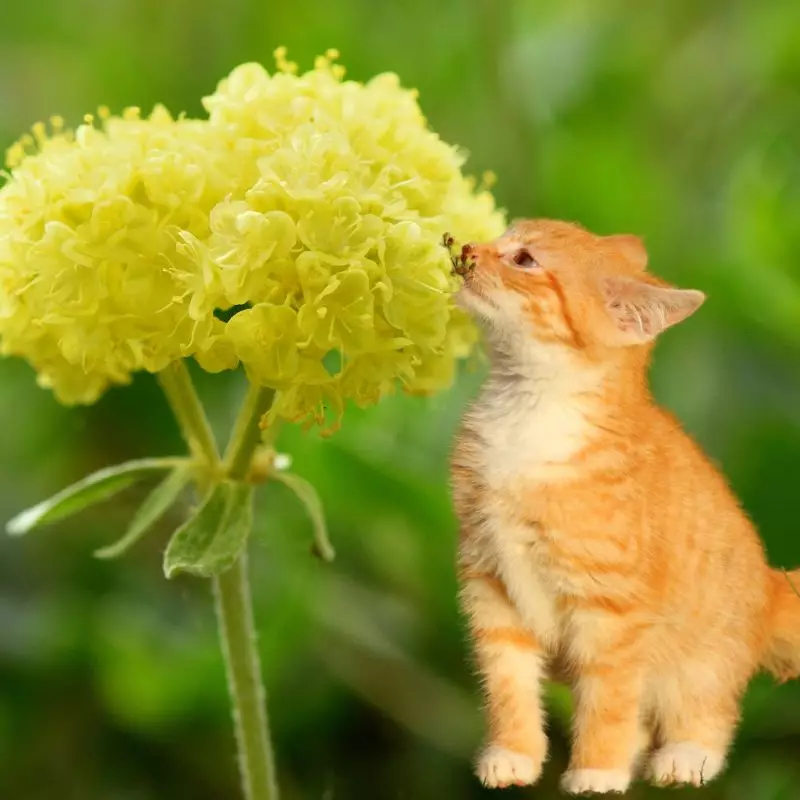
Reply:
x=560, y=285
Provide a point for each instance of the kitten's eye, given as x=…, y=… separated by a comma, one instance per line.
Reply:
x=522, y=258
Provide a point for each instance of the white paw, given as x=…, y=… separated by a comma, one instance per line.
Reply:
x=595, y=781
x=685, y=762
x=498, y=768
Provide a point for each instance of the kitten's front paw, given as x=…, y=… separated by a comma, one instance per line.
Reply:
x=684, y=762
x=499, y=768
x=595, y=781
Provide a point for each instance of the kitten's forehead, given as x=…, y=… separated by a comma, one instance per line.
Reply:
x=622, y=253
x=546, y=230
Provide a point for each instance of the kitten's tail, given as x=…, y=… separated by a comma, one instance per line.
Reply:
x=782, y=657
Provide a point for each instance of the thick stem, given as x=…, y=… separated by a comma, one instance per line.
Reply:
x=232, y=589
x=238, y=636
x=237, y=629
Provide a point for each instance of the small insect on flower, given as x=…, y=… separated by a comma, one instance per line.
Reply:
x=467, y=260
x=463, y=263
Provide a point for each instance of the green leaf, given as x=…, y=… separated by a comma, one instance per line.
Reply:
x=92, y=489
x=310, y=499
x=150, y=511
x=212, y=539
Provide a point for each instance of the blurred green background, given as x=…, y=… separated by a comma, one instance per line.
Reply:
x=676, y=120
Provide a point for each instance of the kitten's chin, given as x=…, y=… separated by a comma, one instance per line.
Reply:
x=474, y=303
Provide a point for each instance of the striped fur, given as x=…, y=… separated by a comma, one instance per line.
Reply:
x=598, y=544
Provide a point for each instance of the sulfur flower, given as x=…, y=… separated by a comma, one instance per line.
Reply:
x=353, y=192
x=296, y=231
x=93, y=281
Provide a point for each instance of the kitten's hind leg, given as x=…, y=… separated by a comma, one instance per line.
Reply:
x=695, y=732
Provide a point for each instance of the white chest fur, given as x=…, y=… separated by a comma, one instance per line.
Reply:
x=529, y=428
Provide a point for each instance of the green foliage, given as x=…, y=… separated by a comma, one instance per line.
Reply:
x=155, y=505
x=94, y=488
x=307, y=495
x=210, y=541
x=677, y=121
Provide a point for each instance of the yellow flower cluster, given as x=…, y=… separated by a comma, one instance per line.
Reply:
x=307, y=212
x=93, y=281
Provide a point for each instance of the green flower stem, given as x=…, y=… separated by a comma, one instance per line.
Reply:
x=234, y=606
x=235, y=618
x=246, y=432
x=182, y=397
x=232, y=595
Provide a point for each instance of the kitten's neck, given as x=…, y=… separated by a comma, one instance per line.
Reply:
x=530, y=374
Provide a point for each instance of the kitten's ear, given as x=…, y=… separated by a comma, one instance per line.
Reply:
x=640, y=310
x=632, y=247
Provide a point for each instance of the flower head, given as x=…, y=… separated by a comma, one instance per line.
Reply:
x=361, y=191
x=94, y=284
x=307, y=208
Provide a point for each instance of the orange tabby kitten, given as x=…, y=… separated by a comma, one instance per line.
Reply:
x=598, y=544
